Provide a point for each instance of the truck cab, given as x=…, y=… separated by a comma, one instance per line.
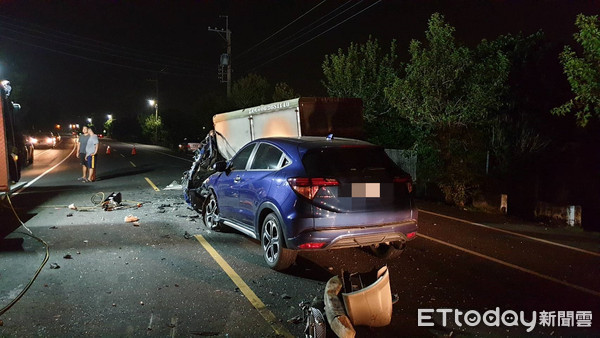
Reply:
x=10, y=140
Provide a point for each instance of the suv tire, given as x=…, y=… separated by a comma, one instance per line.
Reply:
x=276, y=255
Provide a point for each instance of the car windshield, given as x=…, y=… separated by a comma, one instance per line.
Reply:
x=351, y=162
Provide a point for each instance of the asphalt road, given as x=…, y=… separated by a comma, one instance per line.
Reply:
x=170, y=276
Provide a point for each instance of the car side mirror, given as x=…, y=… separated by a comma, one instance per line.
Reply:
x=221, y=166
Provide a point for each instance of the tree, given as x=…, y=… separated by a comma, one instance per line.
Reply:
x=447, y=93
x=583, y=73
x=249, y=91
x=151, y=126
x=284, y=92
x=363, y=71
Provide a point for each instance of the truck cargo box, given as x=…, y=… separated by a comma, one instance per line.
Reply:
x=304, y=116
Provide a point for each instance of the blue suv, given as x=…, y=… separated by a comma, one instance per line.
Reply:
x=312, y=193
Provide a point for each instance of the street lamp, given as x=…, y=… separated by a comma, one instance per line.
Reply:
x=109, y=116
x=154, y=103
x=89, y=119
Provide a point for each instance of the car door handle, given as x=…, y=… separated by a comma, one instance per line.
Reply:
x=237, y=179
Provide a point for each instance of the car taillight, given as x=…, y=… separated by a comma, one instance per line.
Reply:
x=406, y=180
x=308, y=187
x=411, y=235
x=311, y=245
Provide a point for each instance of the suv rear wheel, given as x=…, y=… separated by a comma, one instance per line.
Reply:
x=277, y=256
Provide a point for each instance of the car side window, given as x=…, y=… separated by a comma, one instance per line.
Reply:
x=267, y=157
x=241, y=159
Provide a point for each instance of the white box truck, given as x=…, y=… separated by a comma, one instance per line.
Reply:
x=303, y=116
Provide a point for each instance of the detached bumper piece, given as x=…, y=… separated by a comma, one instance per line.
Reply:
x=363, y=303
x=370, y=304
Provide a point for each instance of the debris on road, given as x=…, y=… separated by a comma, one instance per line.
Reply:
x=131, y=219
x=68, y=256
x=173, y=186
x=112, y=202
x=136, y=224
x=54, y=266
x=72, y=206
x=368, y=297
x=187, y=235
x=70, y=214
x=334, y=310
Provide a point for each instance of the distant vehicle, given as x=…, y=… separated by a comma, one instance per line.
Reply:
x=26, y=151
x=190, y=144
x=43, y=139
x=312, y=193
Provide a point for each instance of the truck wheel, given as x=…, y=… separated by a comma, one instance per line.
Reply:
x=277, y=256
x=388, y=250
x=211, y=213
x=14, y=170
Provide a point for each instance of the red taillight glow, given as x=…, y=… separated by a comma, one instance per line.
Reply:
x=308, y=187
x=411, y=235
x=406, y=180
x=311, y=246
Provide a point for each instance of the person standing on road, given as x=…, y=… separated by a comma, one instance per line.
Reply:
x=80, y=153
x=91, y=149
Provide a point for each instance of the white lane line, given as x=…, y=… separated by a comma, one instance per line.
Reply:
x=514, y=233
x=516, y=267
x=43, y=174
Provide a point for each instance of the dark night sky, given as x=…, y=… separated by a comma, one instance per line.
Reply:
x=95, y=57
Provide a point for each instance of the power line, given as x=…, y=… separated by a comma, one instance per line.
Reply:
x=281, y=29
x=293, y=37
x=41, y=30
x=291, y=50
x=98, y=48
x=97, y=60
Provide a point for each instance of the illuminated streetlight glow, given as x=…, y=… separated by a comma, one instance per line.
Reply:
x=109, y=116
x=89, y=119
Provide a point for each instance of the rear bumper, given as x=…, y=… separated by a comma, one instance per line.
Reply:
x=350, y=237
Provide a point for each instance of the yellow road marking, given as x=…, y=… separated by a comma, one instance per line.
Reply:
x=152, y=184
x=516, y=267
x=248, y=293
x=133, y=164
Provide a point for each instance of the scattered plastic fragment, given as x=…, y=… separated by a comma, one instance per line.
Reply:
x=187, y=235
x=72, y=206
x=67, y=256
x=54, y=266
x=136, y=224
x=70, y=214
x=131, y=218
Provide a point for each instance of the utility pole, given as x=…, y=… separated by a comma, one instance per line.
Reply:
x=225, y=58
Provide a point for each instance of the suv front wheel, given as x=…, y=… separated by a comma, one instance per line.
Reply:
x=277, y=256
x=211, y=213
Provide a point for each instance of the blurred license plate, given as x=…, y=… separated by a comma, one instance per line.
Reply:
x=372, y=190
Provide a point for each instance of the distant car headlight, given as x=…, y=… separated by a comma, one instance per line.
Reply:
x=49, y=140
x=33, y=140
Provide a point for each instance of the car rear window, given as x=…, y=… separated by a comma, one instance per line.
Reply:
x=349, y=162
